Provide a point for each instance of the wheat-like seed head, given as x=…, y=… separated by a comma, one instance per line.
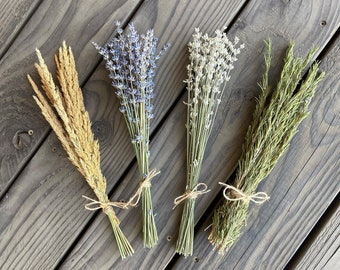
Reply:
x=69, y=118
x=71, y=123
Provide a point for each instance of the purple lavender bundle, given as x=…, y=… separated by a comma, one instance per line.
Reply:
x=131, y=60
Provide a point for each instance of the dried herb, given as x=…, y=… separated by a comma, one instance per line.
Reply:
x=277, y=115
x=71, y=123
x=211, y=60
x=131, y=60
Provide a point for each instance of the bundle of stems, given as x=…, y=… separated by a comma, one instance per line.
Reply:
x=71, y=123
x=131, y=60
x=277, y=115
x=211, y=60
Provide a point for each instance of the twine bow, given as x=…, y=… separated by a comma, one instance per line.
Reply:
x=94, y=205
x=106, y=206
x=259, y=197
x=191, y=194
x=143, y=184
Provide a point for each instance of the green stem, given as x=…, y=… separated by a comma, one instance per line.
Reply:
x=185, y=241
x=149, y=227
x=124, y=246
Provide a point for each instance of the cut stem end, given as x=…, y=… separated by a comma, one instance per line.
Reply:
x=125, y=249
x=185, y=241
x=150, y=236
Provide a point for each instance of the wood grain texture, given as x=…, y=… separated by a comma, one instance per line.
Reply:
x=77, y=22
x=13, y=16
x=301, y=186
x=117, y=154
x=95, y=248
x=324, y=252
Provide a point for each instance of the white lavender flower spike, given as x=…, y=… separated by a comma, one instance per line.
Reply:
x=131, y=60
x=211, y=60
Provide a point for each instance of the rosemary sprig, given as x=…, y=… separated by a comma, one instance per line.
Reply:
x=211, y=60
x=131, y=60
x=275, y=121
x=71, y=123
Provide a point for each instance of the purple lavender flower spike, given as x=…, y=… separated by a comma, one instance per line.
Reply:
x=131, y=61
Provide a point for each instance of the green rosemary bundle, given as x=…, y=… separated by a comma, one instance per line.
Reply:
x=71, y=123
x=131, y=60
x=211, y=60
x=275, y=121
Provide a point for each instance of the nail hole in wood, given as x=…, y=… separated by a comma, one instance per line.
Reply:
x=323, y=23
x=30, y=132
x=122, y=201
x=196, y=259
x=169, y=238
x=54, y=149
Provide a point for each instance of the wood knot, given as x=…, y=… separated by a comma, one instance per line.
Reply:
x=22, y=138
x=101, y=129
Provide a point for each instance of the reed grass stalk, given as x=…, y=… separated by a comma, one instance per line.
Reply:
x=64, y=110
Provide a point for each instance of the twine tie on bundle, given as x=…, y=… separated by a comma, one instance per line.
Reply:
x=106, y=206
x=191, y=194
x=259, y=197
x=96, y=205
x=146, y=183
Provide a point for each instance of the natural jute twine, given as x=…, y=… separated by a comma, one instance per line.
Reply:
x=96, y=205
x=146, y=183
x=191, y=194
x=239, y=195
x=106, y=206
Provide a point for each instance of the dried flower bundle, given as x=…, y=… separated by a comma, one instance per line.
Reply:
x=275, y=121
x=211, y=60
x=131, y=60
x=71, y=123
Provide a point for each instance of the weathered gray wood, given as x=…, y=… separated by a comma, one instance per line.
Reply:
x=96, y=248
x=34, y=184
x=54, y=21
x=42, y=213
x=302, y=185
x=13, y=15
x=324, y=252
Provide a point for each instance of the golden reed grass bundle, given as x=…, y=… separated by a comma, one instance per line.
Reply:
x=65, y=111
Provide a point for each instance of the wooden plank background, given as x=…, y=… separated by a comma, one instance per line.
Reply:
x=42, y=221
x=322, y=251
x=53, y=22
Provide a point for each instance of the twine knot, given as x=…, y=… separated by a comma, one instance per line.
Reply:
x=106, y=206
x=191, y=194
x=146, y=183
x=94, y=205
x=239, y=195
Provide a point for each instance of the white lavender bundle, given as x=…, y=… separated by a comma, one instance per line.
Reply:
x=277, y=115
x=131, y=60
x=211, y=60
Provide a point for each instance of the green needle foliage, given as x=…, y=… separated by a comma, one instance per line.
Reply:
x=275, y=121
